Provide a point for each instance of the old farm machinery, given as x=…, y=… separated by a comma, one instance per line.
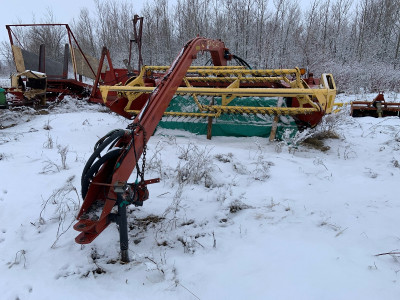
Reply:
x=40, y=78
x=376, y=108
x=227, y=100
x=307, y=100
x=105, y=187
x=56, y=78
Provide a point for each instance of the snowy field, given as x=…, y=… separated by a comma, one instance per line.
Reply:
x=232, y=218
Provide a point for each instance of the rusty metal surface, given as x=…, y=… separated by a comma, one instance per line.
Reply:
x=133, y=145
x=375, y=108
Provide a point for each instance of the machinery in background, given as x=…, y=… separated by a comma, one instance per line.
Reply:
x=31, y=86
x=58, y=78
x=376, y=108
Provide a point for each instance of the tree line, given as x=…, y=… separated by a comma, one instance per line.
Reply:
x=358, y=42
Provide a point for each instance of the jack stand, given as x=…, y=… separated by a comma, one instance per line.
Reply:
x=121, y=220
x=123, y=231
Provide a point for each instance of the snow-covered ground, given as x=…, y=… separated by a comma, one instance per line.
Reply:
x=263, y=220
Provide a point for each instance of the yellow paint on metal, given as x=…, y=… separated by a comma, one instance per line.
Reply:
x=339, y=105
x=191, y=68
x=316, y=99
x=183, y=114
x=226, y=99
x=216, y=111
x=233, y=78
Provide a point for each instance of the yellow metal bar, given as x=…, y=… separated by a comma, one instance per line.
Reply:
x=226, y=99
x=216, y=111
x=193, y=95
x=260, y=110
x=182, y=114
x=269, y=72
x=220, y=70
x=161, y=68
x=242, y=92
x=230, y=79
x=340, y=104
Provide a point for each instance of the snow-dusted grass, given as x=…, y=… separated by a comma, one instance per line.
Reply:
x=5, y=82
x=233, y=218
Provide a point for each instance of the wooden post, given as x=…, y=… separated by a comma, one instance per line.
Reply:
x=210, y=120
x=275, y=123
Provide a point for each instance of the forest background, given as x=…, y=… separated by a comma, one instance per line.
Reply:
x=357, y=41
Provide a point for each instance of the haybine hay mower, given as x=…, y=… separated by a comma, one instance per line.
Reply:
x=105, y=188
x=210, y=92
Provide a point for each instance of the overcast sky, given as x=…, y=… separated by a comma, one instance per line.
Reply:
x=13, y=11
x=64, y=11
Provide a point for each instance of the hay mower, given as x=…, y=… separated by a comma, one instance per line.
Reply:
x=145, y=98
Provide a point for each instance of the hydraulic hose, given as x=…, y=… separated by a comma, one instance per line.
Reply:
x=241, y=61
x=88, y=176
x=108, y=139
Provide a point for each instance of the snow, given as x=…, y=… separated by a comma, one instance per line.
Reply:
x=264, y=221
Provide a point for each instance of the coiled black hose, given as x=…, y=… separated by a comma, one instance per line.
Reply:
x=88, y=171
x=86, y=179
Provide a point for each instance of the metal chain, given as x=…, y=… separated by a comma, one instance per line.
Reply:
x=144, y=153
x=132, y=127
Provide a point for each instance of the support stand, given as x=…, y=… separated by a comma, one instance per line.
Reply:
x=210, y=121
x=123, y=230
x=274, y=126
x=121, y=220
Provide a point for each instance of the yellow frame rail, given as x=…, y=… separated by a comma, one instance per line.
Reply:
x=324, y=94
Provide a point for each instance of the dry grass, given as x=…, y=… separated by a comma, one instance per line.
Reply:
x=144, y=223
x=316, y=140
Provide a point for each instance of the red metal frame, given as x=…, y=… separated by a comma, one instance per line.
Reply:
x=71, y=38
x=57, y=86
x=375, y=108
x=133, y=142
x=137, y=21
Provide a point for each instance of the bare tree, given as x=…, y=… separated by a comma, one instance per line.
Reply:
x=54, y=37
x=84, y=31
x=359, y=42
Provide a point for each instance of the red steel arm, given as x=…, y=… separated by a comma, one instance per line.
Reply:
x=158, y=102
x=144, y=124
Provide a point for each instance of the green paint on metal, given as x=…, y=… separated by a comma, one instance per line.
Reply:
x=228, y=124
x=124, y=203
x=3, y=100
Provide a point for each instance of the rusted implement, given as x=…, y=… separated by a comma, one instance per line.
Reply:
x=307, y=100
x=104, y=181
x=376, y=108
x=58, y=84
x=147, y=96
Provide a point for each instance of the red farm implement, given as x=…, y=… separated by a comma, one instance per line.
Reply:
x=375, y=108
x=145, y=98
x=40, y=79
